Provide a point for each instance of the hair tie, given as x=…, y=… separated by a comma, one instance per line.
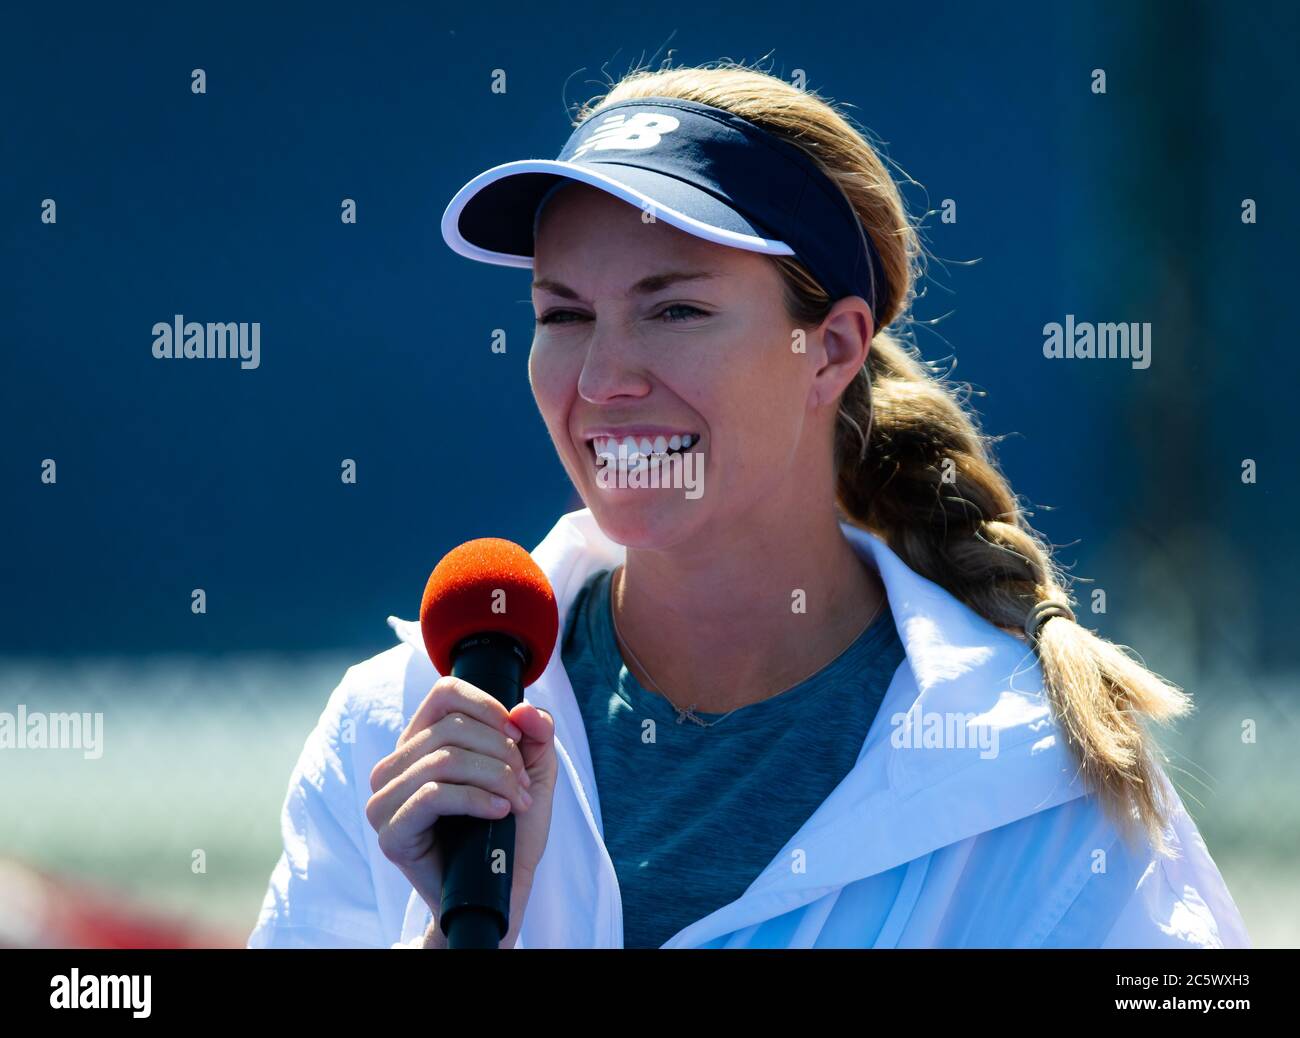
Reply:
x=1042, y=611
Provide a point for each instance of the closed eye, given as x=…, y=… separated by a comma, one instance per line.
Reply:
x=693, y=310
x=553, y=316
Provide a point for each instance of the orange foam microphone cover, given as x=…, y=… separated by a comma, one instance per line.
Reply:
x=489, y=584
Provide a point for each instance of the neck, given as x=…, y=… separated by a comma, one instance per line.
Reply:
x=726, y=628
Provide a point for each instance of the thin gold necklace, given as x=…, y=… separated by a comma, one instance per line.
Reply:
x=689, y=712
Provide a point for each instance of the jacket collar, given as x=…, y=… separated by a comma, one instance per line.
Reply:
x=924, y=778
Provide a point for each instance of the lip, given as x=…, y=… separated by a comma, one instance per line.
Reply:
x=636, y=431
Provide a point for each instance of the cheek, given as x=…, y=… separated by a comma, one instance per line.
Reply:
x=761, y=412
x=553, y=386
x=772, y=383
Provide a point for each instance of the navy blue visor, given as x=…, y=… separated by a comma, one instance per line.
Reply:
x=696, y=167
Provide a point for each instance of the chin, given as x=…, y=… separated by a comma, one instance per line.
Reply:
x=650, y=519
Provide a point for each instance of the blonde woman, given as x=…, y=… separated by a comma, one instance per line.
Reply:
x=819, y=683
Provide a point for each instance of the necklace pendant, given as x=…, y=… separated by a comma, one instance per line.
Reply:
x=681, y=714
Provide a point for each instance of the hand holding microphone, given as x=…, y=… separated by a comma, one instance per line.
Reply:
x=489, y=622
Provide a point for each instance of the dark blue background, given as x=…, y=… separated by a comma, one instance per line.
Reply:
x=225, y=207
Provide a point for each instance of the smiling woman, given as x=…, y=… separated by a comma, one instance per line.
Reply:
x=667, y=334
x=895, y=720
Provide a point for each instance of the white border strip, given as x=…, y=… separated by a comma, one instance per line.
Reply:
x=451, y=217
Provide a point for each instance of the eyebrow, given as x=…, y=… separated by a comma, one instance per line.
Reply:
x=646, y=286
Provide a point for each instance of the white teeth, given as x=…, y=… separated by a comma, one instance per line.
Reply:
x=639, y=449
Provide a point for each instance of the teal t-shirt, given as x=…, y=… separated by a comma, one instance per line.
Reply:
x=692, y=817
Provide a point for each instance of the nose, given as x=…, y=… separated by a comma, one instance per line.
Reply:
x=610, y=368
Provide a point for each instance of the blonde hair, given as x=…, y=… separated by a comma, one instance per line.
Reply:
x=914, y=468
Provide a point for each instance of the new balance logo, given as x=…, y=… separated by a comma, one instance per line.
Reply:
x=643, y=130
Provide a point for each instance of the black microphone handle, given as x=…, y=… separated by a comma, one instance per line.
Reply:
x=478, y=853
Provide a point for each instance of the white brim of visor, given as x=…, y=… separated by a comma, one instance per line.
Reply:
x=586, y=175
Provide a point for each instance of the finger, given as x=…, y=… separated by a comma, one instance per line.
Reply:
x=451, y=694
x=456, y=729
x=450, y=764
x=538, y=727
x=407, y=834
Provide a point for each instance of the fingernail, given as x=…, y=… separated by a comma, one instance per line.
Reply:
x=513, y=731
x=523, y=795
x=500, y=802
x=525, y=778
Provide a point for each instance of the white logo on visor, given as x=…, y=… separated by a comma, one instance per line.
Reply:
x=643, y=130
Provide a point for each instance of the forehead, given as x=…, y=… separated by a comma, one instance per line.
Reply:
x=582, y=227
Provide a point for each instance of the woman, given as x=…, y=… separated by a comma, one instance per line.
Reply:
x=819, y=682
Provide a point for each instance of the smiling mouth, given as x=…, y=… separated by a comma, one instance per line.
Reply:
x=632, y=450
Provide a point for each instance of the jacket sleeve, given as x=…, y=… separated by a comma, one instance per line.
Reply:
x=1180, y=902
x=1159, y=916
x=322, y=892
x=1146, y=900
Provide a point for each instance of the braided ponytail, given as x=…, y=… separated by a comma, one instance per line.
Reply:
x=925, y=481
x=914, y=468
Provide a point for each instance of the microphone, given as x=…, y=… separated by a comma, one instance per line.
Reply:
x=488, y=616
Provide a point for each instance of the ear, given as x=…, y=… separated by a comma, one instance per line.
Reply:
x=845, y=335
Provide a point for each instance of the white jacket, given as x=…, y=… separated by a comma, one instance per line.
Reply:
x=916, y=847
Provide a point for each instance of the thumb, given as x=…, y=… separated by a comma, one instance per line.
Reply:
x=534, y=722
x=538, y=727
